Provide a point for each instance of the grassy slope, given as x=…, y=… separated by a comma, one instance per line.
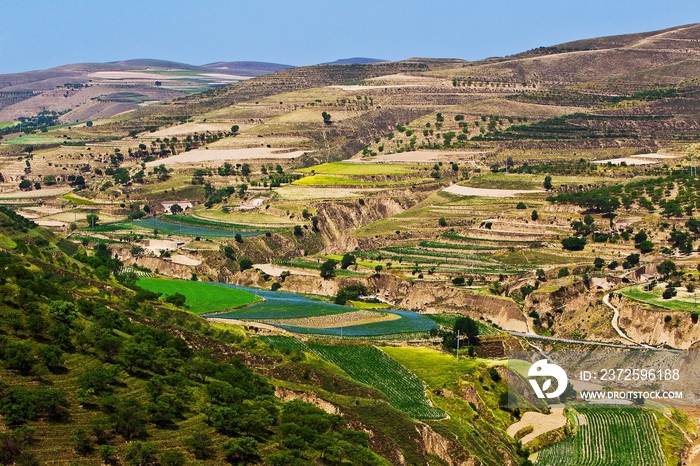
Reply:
x=53, y=444
x=654, y=298
x=478, y=425
x=201, y=297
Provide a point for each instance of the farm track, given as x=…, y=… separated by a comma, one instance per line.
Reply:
x=615, y=323
x=585, y=342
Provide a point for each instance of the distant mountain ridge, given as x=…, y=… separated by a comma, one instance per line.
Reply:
x=354, y=61
x=245, y=68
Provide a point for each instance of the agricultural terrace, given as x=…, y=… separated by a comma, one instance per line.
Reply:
x=339, y=180
x=528, y=181
x=337, y=320
x=240, y=218
x=683, y=301
x=439, y=260
x=181, y=228
x=245, y=230
x=299, y=314
x=345, y=168
x=607, y=436
x=502, y=220
x=197, y=156
x=373, y=367
x=200, y=297
x=391, y=323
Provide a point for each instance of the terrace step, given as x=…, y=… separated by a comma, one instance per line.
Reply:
x=491, y=347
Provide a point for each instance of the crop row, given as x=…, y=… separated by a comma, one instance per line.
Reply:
x=411, y=251
x=466, y=247
x=608, y=436
x=468, y=263
x=457, y=237
x=373, y=367
x=137, y=272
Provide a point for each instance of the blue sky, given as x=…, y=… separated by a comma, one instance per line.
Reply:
x=38, y=34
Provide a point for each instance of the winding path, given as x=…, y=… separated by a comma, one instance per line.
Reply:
x=615, y=323
x=586, y=342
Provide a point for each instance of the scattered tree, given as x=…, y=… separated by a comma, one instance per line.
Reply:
x=92, y=219
x=547, y=182
x=666, y=268
x=328, y=269
x=245, y=264
x=573, y=243
x=467, y=328
x=347, y=261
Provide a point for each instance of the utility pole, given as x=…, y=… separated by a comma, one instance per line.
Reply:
x=457, y=345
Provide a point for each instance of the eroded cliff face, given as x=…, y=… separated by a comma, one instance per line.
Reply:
x=437, y=445
x=650, y=326
x=337, y=221
x=430, y=443
x=430, y=297
x=289, y=395
x=573, y=311
x=165, y=267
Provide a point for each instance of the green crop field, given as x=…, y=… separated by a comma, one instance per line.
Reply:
x=185, y=229
x=109, y=227
x=197, y=221
x=456, y=237
x=344, y=168
x=608, y=436
x=434, y=367
x=77, y=200
x=531, y=257
x=330, y=180
x=375, y=368
x=411, y=323
x=364, y=305
x=201, y=297
x=7, y=124
x=38, y=139
x=285, y=343
x=682, y=302
x=453, y=246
